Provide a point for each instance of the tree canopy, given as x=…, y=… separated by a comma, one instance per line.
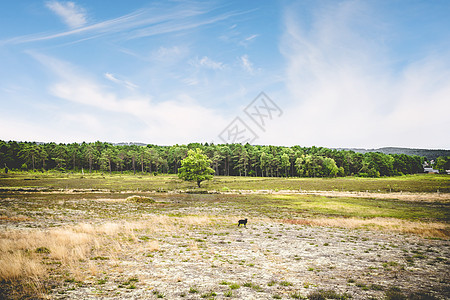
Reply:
x=225, y=159
x=196, y=167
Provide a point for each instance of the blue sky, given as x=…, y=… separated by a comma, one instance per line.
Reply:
x=341, y=73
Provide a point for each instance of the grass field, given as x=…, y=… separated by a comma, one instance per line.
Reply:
x=420, y=183
x=124, y=236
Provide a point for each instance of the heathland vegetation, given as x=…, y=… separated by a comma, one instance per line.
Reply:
x=102, y=221
x=78, y=236
x=227, y=159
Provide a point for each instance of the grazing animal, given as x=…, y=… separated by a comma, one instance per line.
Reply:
x=243, y=222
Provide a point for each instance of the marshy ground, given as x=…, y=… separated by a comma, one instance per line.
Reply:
x=94, y=243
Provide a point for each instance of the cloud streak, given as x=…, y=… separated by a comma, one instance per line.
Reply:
x=70, y=13
x=141, y=23
x=246, y=64
x=129, y=85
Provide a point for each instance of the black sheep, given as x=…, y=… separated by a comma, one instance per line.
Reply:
x=243, y=222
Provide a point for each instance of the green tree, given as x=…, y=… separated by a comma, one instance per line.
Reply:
x=59, y=154
x=285, y=163
x=30, y=152
x=91, y=154
x=121, y=156
x=73, y=151
x=329, y=167
x=442, y=164
x=176, y=154
x=216, y=158
x=195, y=167
x=108, y=157
x=240, y=155
x=43, y=156
x=133, y=155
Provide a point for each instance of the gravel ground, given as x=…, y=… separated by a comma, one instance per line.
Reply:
x=270, y=260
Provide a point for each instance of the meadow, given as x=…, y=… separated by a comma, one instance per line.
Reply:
x=418, y=183
x=65, y=236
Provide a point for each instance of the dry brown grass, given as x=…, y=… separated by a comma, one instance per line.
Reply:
x=429, y=229
x=22, y=252
x=16, y=218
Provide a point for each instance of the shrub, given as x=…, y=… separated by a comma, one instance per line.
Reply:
x=297, y=295
x=327, y=294
x=394, y=293
x=422, y=296
x=286, y=283
x=234, y=286
x=376, y=287
x=140, y=199
x=208, y=295
x=42, y=250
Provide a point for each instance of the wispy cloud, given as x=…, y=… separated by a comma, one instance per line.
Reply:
x=208, y=63
x=151, y=21
x=70, y=13
x=248, y=40
x=177, y=120
x=252, y=37
x=129, y=85
x=343, y=84
x=246, y=64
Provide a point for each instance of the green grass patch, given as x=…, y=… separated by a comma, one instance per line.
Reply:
x=422, y=183
x=360, y=207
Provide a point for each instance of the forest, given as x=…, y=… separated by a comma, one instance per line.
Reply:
x=227, y=159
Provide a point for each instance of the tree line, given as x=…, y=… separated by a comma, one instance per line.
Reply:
x=227, y=159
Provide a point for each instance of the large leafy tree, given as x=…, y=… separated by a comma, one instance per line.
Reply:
x=196, y=167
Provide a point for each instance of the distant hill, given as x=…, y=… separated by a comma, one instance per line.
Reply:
x=430, y=154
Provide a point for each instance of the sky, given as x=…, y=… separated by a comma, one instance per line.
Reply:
x=340, y=74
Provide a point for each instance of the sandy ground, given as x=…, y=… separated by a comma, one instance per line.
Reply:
x=267, y=260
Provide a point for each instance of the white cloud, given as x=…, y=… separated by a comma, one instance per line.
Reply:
x=70, y=13
x=111, y=77
x=345, y=92
x=207, y=63
x=129, y=85
x=151, y=21
x=252, y=37
x=246, y=64
x=191, y=80
x=178, y=120
x=248, y=40
x=169, y=53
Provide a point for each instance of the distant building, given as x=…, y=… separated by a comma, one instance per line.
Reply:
x=430, y=171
